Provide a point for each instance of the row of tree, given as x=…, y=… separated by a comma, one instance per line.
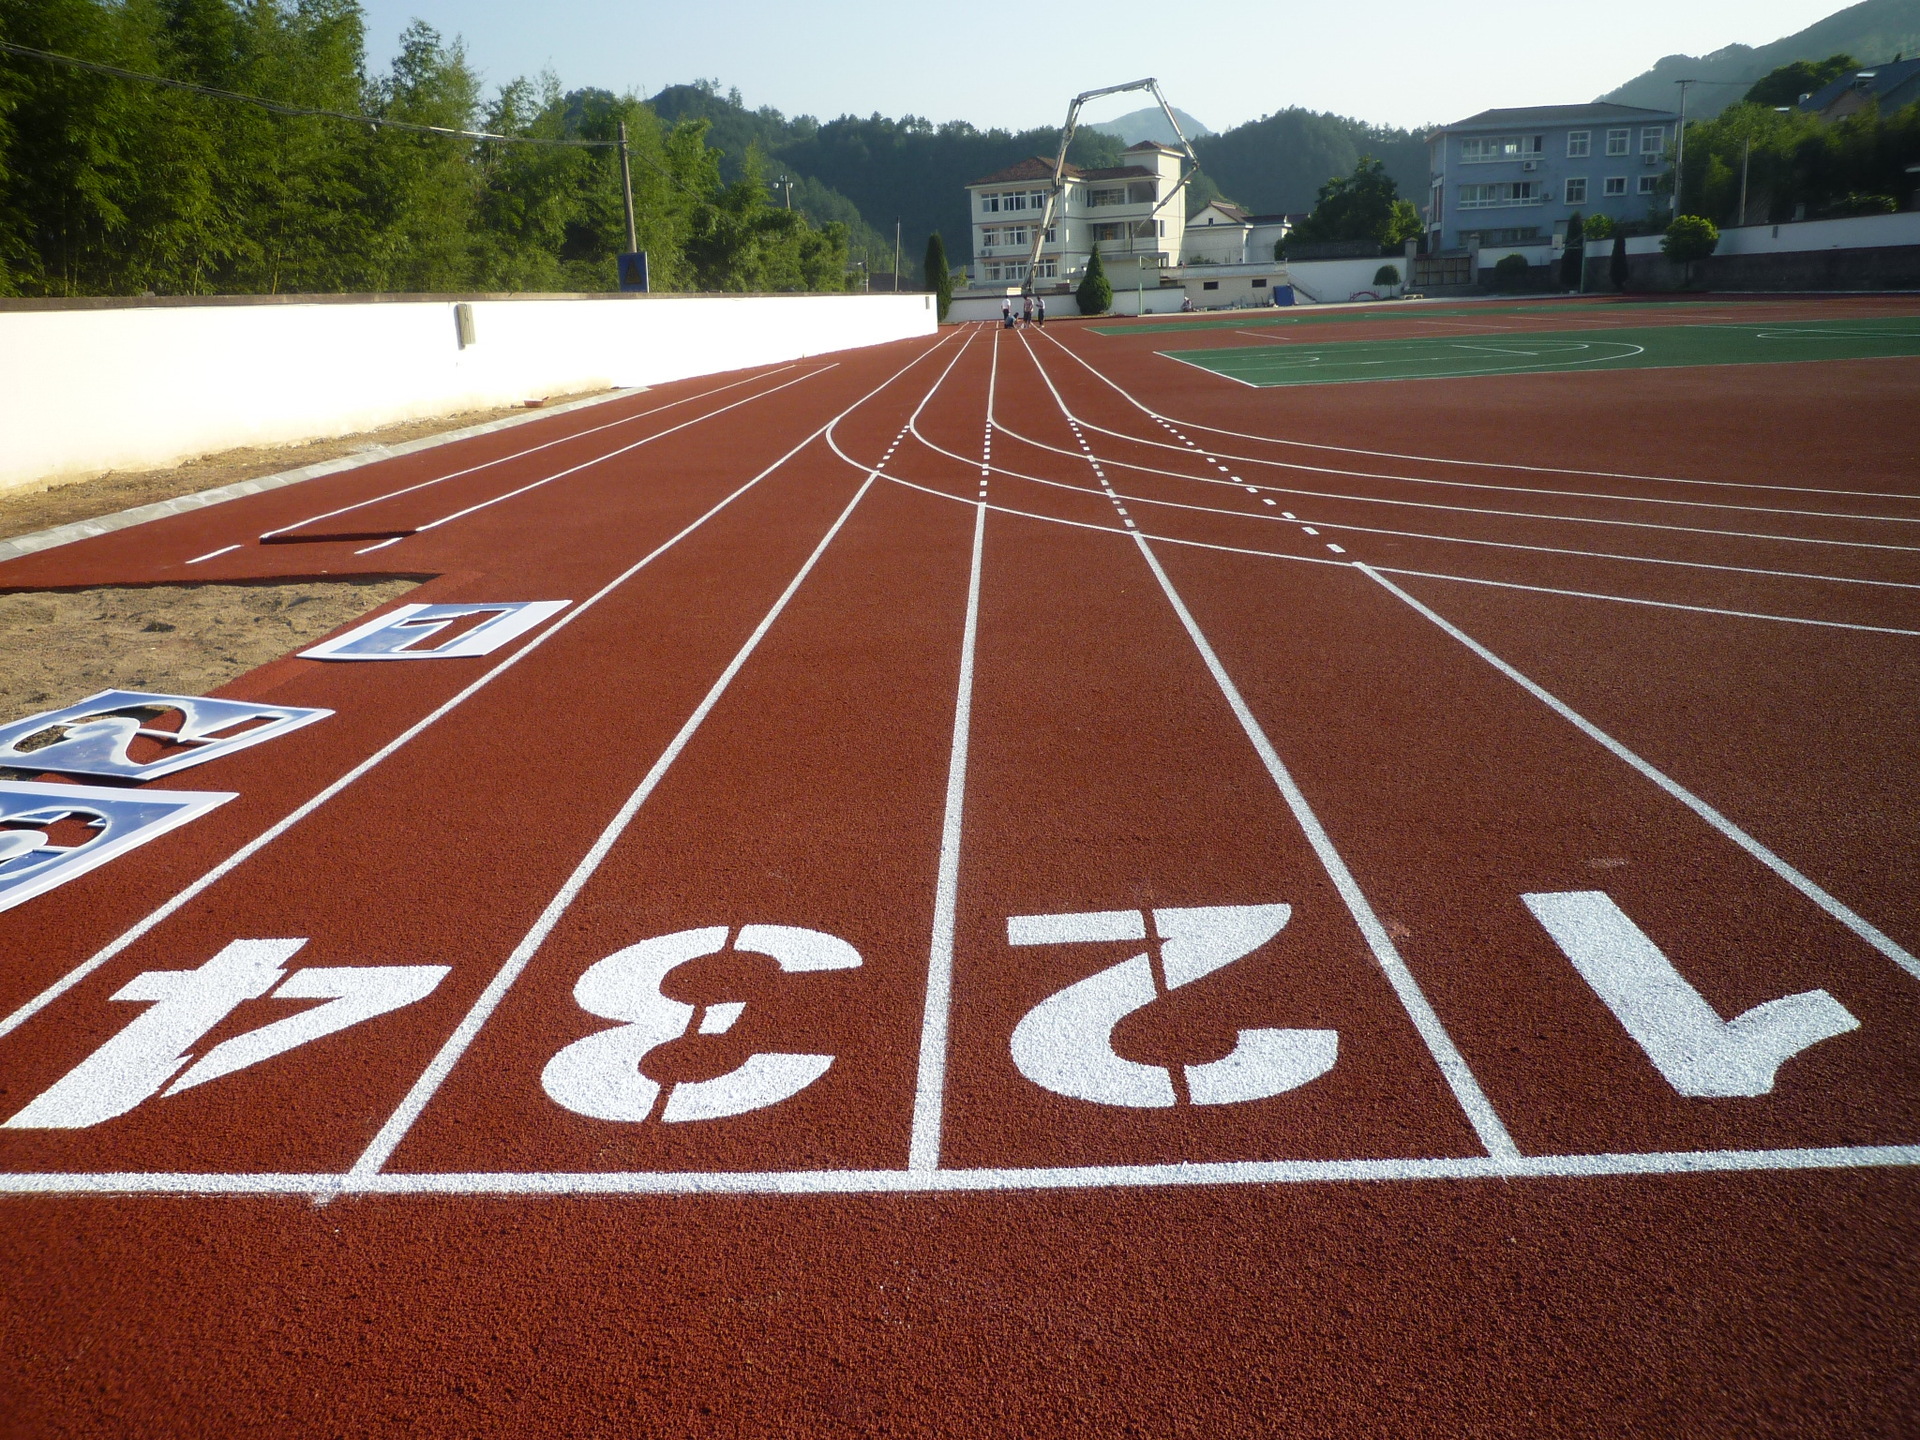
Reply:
x=114, y=186
x=1798, y=165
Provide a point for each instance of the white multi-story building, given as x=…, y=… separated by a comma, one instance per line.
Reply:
x=1125, y=210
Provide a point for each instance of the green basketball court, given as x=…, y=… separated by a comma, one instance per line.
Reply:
x=1443, y=357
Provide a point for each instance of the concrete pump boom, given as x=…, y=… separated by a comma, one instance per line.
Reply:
x=1060, y=162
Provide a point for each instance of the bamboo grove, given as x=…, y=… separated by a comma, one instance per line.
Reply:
x=109, y=186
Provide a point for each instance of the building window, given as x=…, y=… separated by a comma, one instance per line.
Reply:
x=1616, y=185
x=1259, y=282
x=1502, y=147
x=1579, y=144
x=1618, y=141
x=1577, y=190
x=1519, y=235
x=1505, y=192
x=1653, y=140
x=1110, y=195
x=1209, y=284
x=1102, y=234
x=1047, y=270
x=1648, y=184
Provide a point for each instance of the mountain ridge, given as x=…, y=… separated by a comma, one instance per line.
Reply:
x=1872, y=32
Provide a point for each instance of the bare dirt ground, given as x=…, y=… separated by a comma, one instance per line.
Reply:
x=61, y=503
x=60, y=646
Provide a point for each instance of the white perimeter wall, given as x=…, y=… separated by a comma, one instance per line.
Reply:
x=133, y=387
x=1863, y=232
x=1328, y=282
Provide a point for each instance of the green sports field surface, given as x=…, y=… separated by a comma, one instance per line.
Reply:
x=1443, y=357
x=1477, y=310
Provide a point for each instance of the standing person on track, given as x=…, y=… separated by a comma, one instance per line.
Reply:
x=1040, y=310
x=1006, y=311
x=1026, y=310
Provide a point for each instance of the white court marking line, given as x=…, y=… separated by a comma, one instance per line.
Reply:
x=521, y=454
x=1481, y=1115
x=1657, y=604
x=610, y=455
x=1156, y=416
x=325, y=1186
x=1554, y=366
x=223, y=550
x=1846, y=916
x=1353, y=499
x=930, y=1078
x=416, y=1100
x=275, y=831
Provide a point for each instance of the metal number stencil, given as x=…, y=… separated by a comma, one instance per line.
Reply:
x=121, y=734
x=49, y=834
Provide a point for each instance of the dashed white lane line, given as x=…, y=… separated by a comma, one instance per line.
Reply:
x=1264, y=500
x=223, y=550
x=1336, y=549
x=1310, y=530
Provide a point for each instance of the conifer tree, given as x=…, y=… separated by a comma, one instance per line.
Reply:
x=1573, y=258
x=1617, y=265
x=939, y=275
x=1095, y=293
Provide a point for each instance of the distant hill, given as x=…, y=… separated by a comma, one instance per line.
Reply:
x=1871, y=32
x=1279, y=162
x=1151, y=124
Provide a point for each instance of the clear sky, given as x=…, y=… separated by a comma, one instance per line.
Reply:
x=1399, y=62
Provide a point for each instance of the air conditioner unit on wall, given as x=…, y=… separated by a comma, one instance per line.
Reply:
x=1651, y=159
x=1531, y=165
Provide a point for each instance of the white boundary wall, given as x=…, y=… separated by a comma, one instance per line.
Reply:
x=90, y=387
x=1861, y=232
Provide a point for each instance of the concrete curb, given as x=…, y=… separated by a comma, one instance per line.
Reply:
x=139, y=515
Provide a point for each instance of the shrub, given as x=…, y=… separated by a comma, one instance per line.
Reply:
x=1599, y=227
x=1690, y=238
x=1617, y=262
x=1510, y=273
x=1387, y=275
x=1857, y=204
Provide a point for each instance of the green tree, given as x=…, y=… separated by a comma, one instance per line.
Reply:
x=1095, y=292
x=939, y=273
x=1617, y=262
x=1362, y=206
x=1573, y=257
x=1787, y=84
x=1387, y=275
x=1510, y=273
x=1597, y=227
x=1689, y=240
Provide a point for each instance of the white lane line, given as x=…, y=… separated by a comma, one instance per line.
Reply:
x=1846, y=916
x=268, y=836
x=521, y=454
x=613, y=454
x=381, y=546
x=1617, y=1165
x=1435, y=575
x=1655, y=604
x=1445, y=460
x=1388, y=570
x=930, y=1081
x=1350, y=498
x=441, y=1066
x=223, y=550
x=382, y=1146
x=1486, y=1122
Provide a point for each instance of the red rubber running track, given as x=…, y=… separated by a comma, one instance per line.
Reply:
x=1193, y=911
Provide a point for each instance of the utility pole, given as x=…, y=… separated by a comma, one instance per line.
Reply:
x=626, y=190
x=1746, y=159
x=1680, y=152
x=896, y=257
x=786, y=183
